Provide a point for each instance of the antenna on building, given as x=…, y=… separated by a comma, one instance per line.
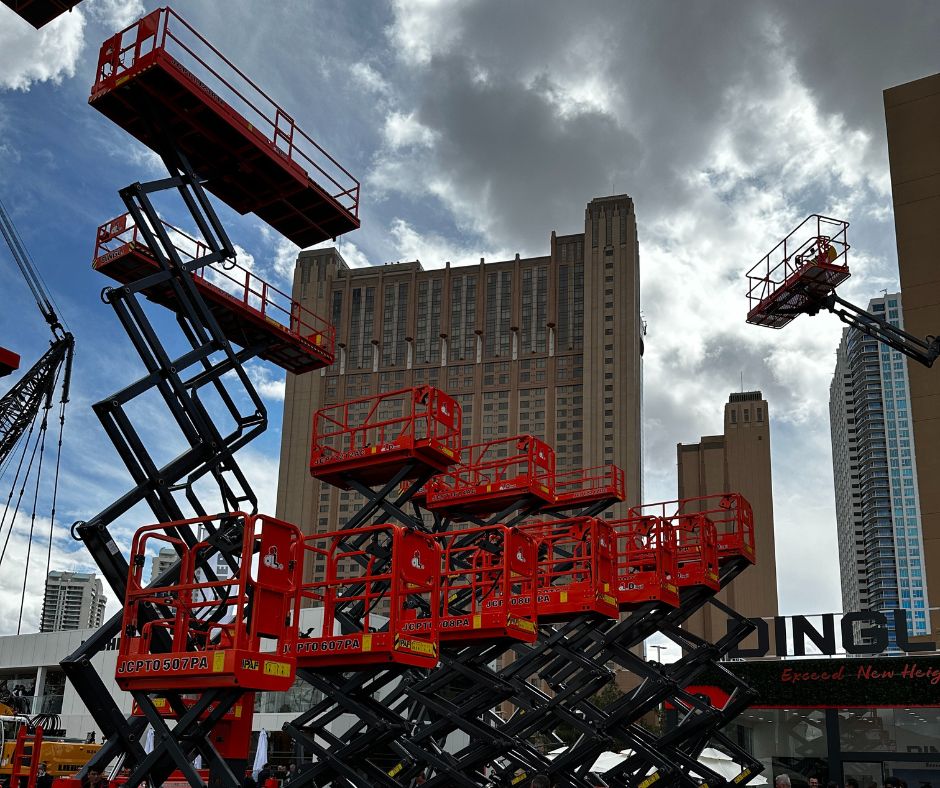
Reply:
x=742, y=381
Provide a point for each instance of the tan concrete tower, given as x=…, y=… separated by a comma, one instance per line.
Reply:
x=912, y=115
x=738, y=461
x=548, y=345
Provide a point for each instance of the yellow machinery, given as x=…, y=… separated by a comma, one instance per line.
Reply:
x=63, y=756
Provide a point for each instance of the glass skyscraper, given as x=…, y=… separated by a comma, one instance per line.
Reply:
x=875, y=473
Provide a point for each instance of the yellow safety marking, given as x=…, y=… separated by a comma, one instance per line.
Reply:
x=564, y=596
x=477, y=621
x=649, y=780
x=272, y=668
x=395, y=769
x=367, y=646
x=742, y=776
x=218, y=662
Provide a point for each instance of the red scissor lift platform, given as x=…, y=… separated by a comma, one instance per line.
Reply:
x=584, y=486
x=40, y=12
x=695, y=540
x=372, y=438
x=576, y=568
x=647, y=565
x=729, y=513
x=248, y=309
x=488, y=585
x=249, y=151
x=214, y=642
x=804, y=267
x=379, y=598
x=495, y=475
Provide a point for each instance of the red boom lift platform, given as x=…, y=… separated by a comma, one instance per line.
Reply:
x=576, y=568
x=248, y=309
x=40, y=12
x=647, y=565
x=249, y=151
x=371, y=439
x=212, y=643
x=495, y=475
x=379, y=598
x=804, y=267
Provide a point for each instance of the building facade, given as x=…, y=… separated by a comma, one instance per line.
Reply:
x=737, y=461
x=72, y=600
x=547, y=345
x=881, y=543
x=162, y=561
x=912, y=115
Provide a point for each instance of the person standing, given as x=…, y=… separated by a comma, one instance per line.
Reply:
x=43, y=778
x=782, y=781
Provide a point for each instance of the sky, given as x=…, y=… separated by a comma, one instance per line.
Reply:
x=476, y=128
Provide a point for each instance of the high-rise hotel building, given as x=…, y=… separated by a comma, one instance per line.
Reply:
x=546, y=345
x=881, y=545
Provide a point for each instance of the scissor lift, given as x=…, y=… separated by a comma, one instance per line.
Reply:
x=170, y=103
x=615, y=643
x=220, y=637
x=587, y=490
x=159, y=79
x=249, y=311
x=497, y=476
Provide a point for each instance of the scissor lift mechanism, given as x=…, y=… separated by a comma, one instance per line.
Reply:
x=536, y=567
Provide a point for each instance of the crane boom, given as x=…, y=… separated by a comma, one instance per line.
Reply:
x=25, y=263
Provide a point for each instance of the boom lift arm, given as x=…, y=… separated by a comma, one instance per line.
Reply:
x=924, y=351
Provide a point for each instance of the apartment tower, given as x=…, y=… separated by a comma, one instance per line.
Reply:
x=72, y=600
x=912, y=115
x=737, y=461
x=547, y=345
x=875, y=475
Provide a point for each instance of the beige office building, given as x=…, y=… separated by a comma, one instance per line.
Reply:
x=912, y=114
x=738, y=461
x=546, y=345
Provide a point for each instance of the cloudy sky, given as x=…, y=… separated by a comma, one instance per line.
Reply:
x=476, y=129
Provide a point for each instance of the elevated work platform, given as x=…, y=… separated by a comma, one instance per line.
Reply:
x=646, y=561
x=214, y=637
x=729, y=513
x=160, y=72
x=379, y=598
x=804, y=267
x=40, y=12
x=582, y=487
x=576, y=568
x=488, y=585
x=373, y=439
x=249, y=310
x=9, y=362
x=495, y=475
x=696, y=551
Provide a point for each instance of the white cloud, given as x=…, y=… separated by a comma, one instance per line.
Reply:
x=269, y=384
x=403, y=130
x=367, y=77
x=434, y=250
x=28, y=55
x=115, y=14
x=422, y=28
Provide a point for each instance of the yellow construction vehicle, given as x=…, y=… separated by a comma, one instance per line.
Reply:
x=63, y=756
